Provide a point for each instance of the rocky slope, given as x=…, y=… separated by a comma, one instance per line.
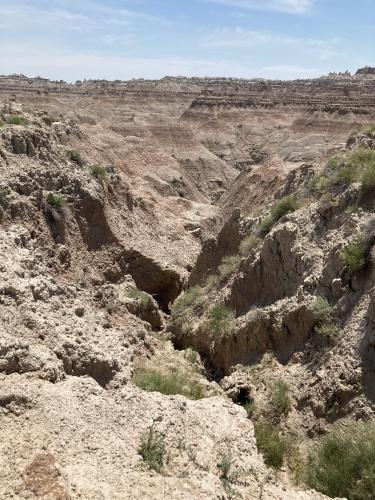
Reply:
x=111, y=208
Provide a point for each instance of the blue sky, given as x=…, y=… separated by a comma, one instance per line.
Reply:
x=286, y=39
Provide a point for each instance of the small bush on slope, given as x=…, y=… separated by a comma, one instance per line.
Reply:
x=220, y=320
x=75, y=156
x=143, y=298
x=228, y=266
x=354, y=254
x=169, y=384
x=324, y=313
x=99, y=172
x=284, y=206
x=248, y=243
x=271, y=443
x=55, y=208
x=190, y=299
x=343, y=464
x=152, y=449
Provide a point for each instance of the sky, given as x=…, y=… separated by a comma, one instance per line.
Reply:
x=124, y=39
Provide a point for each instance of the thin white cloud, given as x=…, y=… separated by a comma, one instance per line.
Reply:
x=286, y=6
x=239, y=38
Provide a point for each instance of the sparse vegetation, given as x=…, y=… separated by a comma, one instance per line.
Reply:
x=190, y=299
x=169, y=384
x=16, y=120
x=271, y=443
x=139, y=295
x=343, y=464
x=228, y=266
x=220, y=320
x=99, y=171
x=280, y=398
x=75, y=156
x=284, y=206
x=152, y=449
x=250, y=242
x=354, y=254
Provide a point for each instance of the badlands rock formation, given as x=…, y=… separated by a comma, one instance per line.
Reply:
x=119, y=198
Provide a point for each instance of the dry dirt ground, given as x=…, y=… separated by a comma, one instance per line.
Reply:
x=180, y=184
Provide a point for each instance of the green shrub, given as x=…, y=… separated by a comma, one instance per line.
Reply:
x=228, y=266
x=343, y=463
x=284, y=206
x=189, y=300
x=220, y=320
x=250, y=242
x=75, y=156
x=17, y=120
x=354, y=254
x=271, y=443
x=152, y=449
x=169, y=384
x=99, y=171
x=142, y=297
x=55, y=208
x=280, y=398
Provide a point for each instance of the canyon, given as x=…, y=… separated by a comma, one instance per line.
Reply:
x=176, y=259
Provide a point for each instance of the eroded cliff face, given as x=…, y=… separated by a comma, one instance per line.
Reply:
x=116, y=198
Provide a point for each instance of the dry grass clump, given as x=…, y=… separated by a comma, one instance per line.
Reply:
x=152, y=449
x=55, y=208
x=168, y=384
x=280, y=398
x=99, y=171
x=75, y=156
x=272, y=443
x=191, y=299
